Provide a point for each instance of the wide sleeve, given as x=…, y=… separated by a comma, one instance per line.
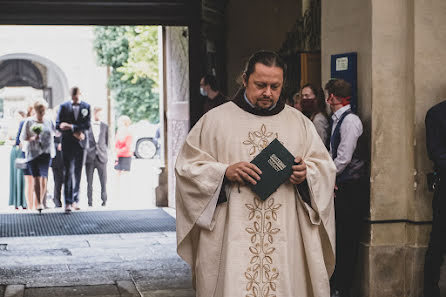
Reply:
x=199, y=178
x=321, y=176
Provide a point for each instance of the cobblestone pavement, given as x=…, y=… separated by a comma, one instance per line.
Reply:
x=109, y=265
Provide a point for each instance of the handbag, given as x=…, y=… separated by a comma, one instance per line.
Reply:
x=21, y=163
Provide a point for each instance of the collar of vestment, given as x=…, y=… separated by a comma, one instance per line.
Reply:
x=239, y=100
x=337, y=114
x=74, y=104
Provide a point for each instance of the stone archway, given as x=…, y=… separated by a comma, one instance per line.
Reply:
x=54, y=79
x=20, y=73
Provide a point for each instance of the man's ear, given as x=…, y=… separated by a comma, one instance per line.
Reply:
x=245, y=83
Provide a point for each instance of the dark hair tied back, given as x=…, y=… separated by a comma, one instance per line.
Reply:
x=266, y=58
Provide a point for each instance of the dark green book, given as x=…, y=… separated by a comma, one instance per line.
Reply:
x=275, y=162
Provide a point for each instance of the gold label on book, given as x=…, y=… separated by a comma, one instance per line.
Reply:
x=276, y=163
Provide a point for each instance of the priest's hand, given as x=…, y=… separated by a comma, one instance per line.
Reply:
x=243, y=172
x=299, y=171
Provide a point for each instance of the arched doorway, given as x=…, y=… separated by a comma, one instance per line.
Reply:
x=53, y=81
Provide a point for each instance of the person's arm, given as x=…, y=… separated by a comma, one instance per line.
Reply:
x=25, y=134
x=17, y=138
x=58, y=118
x=436, y=141
x=351, y=130
x=106, y=136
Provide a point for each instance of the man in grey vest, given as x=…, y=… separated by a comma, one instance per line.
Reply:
x=96, y=157
x=345, y=133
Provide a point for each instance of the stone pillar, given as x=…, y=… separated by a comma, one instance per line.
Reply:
x=400, y=46
x=177, y=96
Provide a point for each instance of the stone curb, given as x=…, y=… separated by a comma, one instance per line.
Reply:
x=127, y=289
x=15, y=291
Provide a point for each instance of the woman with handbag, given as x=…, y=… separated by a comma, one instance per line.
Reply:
x=38, y=133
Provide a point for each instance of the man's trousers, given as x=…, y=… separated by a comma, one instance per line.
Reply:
x=73, y=163
x=437, y=242
x=102, y=172
x=349, y=202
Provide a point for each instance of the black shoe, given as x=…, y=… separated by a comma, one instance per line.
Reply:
x=104, y=203
x=90, y=204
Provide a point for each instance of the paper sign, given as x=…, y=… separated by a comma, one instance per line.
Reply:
x=342, y=64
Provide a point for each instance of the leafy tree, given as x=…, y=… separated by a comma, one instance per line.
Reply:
x=143, y=55
x=133, y=86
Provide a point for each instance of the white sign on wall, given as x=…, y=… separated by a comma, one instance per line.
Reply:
x=342, y=64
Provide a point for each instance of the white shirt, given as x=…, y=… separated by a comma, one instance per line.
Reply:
x=351, y=129
x=76, y=109
x=96, y=127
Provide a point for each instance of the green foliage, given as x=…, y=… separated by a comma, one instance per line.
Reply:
x=132, y=54
x=143, y=56
x=111, y=45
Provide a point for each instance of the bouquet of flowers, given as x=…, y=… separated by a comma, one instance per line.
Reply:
x=37, y=128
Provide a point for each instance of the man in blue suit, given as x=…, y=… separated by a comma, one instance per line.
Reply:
x=73, y=120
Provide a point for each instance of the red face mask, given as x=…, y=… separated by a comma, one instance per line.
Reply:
x=344, y=101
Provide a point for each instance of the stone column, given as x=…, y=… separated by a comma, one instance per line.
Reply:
x=401, y=73
x=177, y=96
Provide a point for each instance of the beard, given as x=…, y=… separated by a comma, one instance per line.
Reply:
x=264, y=103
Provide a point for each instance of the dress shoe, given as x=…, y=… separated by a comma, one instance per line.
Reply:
x=68, y=209
x=104, y=203
x=39, y=209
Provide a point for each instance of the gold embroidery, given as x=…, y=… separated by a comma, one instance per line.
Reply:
x=261, y=274
x=258, y=140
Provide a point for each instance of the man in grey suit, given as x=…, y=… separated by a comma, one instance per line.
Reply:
x=96, y=157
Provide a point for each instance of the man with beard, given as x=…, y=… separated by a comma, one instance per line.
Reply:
x=235, y=243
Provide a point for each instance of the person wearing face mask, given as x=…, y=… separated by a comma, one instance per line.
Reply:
x=313, y=106
x=350, y=171
x=209, y=89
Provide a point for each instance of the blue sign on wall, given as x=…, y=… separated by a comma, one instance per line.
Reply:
x=344, y=66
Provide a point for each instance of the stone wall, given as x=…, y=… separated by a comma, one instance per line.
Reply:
x=177, y=98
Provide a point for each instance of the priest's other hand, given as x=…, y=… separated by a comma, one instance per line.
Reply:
x=299, y=171
x=243, y=172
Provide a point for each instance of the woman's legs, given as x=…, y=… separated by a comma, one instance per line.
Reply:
x=43, y=183
x=37, y=191
x=30, y=197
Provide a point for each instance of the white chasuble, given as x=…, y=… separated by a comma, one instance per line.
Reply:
x=244, y=247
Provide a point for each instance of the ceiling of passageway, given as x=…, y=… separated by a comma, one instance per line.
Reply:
x=100, y=12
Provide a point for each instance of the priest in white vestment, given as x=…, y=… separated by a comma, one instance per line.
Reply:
x=236, y=244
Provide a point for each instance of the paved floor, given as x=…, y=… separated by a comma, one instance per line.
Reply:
x=139, y=264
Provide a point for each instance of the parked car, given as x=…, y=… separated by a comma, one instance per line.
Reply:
x=145, y=139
